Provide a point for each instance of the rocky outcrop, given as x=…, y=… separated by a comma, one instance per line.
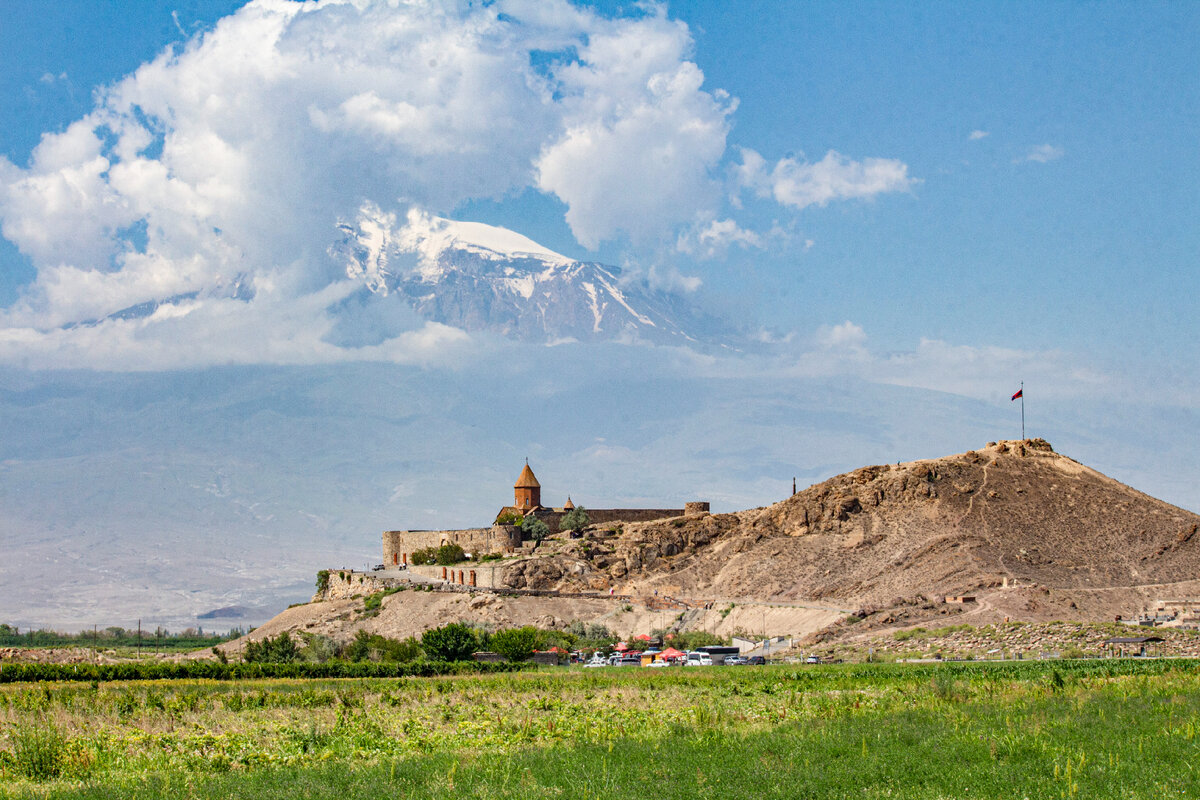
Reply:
x=1012, y=513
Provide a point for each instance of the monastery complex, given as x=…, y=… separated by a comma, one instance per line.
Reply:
x=501, y=537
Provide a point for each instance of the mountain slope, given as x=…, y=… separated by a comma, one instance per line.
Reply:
x=480, y=277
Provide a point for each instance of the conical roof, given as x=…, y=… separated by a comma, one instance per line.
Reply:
x=568, y=505
x=527, y=479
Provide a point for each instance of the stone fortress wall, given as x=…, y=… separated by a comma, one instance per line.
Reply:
x=398, y=546
x=608, y=516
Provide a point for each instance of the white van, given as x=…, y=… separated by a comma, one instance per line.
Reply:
x=698, y=659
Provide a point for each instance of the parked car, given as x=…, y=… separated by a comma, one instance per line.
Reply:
x=630, y=661
x=657, y=664
x=697, y=659
x=734, y=661
x=813, y=660
x=756, y=660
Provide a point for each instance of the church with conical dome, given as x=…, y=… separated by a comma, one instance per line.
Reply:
x=504, y=535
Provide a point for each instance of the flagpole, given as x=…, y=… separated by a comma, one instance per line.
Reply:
x=1022, y=411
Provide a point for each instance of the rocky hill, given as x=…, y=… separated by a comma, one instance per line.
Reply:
x=1025, y=533
x=1030, y=533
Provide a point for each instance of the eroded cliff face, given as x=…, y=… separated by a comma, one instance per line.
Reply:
x=894, y=535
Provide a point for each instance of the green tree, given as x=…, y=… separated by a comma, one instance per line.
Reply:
x=424, y=556
x=453, y=642
x=515, y=644
x=535, y=529
x=449, y=554
x=509, y=517
x=280, y=650
x=318, y=648
x=575, y=520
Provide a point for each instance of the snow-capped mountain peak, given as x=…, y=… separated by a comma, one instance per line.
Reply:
x=481, y=277
x=431, y=236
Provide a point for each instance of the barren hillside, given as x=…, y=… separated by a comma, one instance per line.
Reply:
x=1030, y=534
x=898, y=536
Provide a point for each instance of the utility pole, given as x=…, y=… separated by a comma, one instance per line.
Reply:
x=139, y=638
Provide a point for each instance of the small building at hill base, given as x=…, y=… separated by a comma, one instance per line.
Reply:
x=505, y=537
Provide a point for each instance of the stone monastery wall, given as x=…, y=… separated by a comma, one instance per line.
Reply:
x=601, y=516
x=398, y=546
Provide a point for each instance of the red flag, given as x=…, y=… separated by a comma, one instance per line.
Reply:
x=1020, y=393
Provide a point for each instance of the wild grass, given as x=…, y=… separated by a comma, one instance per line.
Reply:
x=1070, y=729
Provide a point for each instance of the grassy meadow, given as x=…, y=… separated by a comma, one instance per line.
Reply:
x=1084, y=729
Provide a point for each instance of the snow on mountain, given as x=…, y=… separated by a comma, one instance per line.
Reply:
x=481, y=277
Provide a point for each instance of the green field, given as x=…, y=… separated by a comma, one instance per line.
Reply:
x=1051, y=729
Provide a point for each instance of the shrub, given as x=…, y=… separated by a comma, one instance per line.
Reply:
x=515, y=644
x=453, y=642
x=509, y=517
x=318, y=648
x=535, y=529
x=373, y=647
x=575, y=520
x=322, y=581
x=372, y=603
x=426, y=556
x=39, y=752
x=693, y=639
x=449, y=554
x=280, y=650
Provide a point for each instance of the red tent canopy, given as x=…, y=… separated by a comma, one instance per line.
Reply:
x=645, y=637
x=621, y=647
x=671, y=652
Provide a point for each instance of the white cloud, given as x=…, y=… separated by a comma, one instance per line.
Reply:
x=642, y=138
x=1042, y=154
x=198, y=333
x=232, y=159
x=976, y=135
x=222, y=166
x=716, y=237
x=844, y=336
x=800, y=184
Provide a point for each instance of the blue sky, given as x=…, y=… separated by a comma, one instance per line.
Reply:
x=1011, y=185
x=1091, y=249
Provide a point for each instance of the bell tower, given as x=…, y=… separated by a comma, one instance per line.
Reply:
x=527, y=492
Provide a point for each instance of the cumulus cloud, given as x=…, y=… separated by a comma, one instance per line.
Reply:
x=218, y=171
x=800, y=184
x=716, y=237
x=976, y=135
x=1042, y=154
x=845, y=336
